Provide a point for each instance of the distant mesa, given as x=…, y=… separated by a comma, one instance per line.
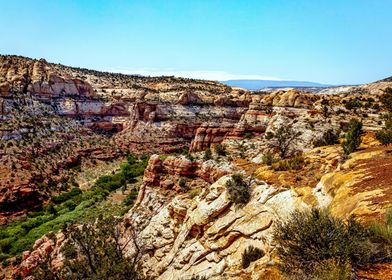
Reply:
x=261, y=84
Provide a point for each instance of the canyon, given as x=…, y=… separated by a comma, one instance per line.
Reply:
x=57, y=121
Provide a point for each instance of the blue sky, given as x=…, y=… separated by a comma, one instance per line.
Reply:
x=328, y=41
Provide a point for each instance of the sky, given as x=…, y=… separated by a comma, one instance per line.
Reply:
x=326, y=41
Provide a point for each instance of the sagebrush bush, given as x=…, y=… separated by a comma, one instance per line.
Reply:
x=250, y=255
x=382, y=235
x=333, y=269
x=268, y=158
x=312, y=237
x=294, y=163
x=238, y=190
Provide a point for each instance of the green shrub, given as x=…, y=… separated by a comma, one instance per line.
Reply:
x=66, y=195
x=311, y=237
x=49, y=209
x=268, y=158
x=220, y=150
x=111, y=182
x=353, y=137
x=183, y=185
x=386, y=99
x=6, y=245
x=248, y=135
x=250, y=255
x=163, y=157
x=185, y=151
x=385, y=135
x=193, y=193
x=269, y=135
x=128, y=201
x=382, y=234
x=332, y=269
x=238, y=190
x=131, y=159
x=207, y=154
x=5, y=263
x=352, y=104
x=70, y=204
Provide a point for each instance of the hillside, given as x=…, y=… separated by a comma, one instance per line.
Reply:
x=160, y=154
x=389, y=79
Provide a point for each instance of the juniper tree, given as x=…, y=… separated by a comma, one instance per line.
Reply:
x=284, y=139
x=353, y=137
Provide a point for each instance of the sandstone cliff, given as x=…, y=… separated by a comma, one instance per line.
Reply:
x=56, y=120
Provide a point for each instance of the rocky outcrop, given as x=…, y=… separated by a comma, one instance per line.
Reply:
x=159, y=169
x=207, y=235
x=254, y=121
x=210, y=134
x=42, y=250
x=290, y=98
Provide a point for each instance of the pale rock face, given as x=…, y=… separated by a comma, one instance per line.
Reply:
x=310, y=126
x=207, y=235
x=255, y=118
x=290, y=98
x=322, y=197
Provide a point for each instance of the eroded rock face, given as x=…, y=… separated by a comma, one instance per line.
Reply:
x=291, y=98
x=207, y=235
x=160, y=169
x=209, y=135
x=42, y=249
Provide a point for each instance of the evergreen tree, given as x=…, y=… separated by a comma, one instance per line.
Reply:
x=385, y=135
x=353, y=137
